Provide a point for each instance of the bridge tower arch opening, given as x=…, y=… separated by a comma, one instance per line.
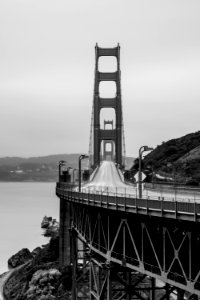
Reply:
x=107, y=89
x=114, y=136
x=107, y=119
x=108, y=150
x=107, y=64
x=108, y=146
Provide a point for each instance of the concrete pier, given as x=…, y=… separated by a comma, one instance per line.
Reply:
x=65, y=222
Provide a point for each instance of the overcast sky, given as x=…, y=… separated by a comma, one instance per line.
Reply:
x=47, y=71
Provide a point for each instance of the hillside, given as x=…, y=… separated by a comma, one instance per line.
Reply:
x=44, y=168
x=49, y=160
x=179, y=158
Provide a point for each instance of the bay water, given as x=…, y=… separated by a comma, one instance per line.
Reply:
x=22, y=208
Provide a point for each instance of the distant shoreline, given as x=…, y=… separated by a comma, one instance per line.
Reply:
x=28, y=181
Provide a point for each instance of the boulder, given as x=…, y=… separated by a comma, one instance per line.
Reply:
x=42, y=285
x=50, y=226
x=19, y=258
x=36, y=251
x=46, y=222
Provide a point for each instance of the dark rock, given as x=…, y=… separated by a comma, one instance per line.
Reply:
x=50, y=226
x=20, y=258
x=46, y=222
x=43, y=284
x=52, y=230
x=36, y=251
x=19, y=286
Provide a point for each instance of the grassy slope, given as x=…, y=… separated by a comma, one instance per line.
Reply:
x=180, y=156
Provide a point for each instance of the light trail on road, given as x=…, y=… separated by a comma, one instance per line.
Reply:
x=109, y=179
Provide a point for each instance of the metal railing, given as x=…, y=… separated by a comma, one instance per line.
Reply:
x=190, y=195
x=172, y=187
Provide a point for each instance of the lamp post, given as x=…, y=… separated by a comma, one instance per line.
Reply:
x=61, y=163
x=82, y=156
x=74, y=175
x=141, y=150
x=68, y=170
x=152, y=171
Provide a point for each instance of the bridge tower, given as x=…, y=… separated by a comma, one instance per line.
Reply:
x=97, y=134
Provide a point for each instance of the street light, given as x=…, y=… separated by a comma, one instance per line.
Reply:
x=61, y=163
x=82, y=156
x=68, y=170
x=141, y=150
x=74, y=175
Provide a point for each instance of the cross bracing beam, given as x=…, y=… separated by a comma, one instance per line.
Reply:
x=162, y=248
x=107, y=102
x=107, y=51
x=107, y=134
x=99, y=280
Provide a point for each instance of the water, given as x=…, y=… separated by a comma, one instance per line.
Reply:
x=22, y=208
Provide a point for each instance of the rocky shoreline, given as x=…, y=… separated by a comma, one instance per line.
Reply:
x=3, y=279
x=40, y=278
x=36, y=275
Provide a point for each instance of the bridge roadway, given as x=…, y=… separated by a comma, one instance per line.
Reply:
x=109, y=179
x=162, y=240
x=107, y=189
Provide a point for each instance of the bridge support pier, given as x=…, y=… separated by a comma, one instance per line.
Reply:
x=74, y=261
x=152, y=292
x=167, y=294
x=64, y=243
x=180, y=294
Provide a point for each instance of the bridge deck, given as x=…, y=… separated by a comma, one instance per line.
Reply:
x=188, y=211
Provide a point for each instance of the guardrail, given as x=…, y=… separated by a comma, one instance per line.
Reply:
x=157, y=206
x=172, y=187
x=189, y=195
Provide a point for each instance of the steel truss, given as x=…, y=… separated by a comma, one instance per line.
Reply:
x=121, y=247
x=116, y=282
